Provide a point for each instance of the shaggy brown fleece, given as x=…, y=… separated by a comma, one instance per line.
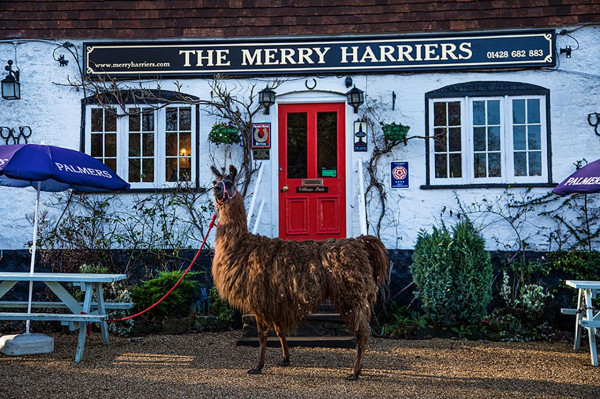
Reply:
x=281, y=282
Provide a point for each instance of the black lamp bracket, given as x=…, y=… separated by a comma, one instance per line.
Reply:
x=12, y=72
x=568, y=50
x=594, y=120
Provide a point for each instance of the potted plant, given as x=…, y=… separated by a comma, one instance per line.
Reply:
x=394, y=132
x=224, y=133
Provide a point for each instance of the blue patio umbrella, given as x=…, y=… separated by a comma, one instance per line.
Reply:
x=50, y=168
x=583, y=180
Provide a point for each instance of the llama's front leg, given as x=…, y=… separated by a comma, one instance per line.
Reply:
x=284, y=347
x=262, y=340
x=362, y=339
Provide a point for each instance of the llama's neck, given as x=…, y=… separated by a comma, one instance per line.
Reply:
x=232, y=220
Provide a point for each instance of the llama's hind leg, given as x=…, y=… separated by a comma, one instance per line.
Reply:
x=263, y=333
x=284, y=347
x=362, y=339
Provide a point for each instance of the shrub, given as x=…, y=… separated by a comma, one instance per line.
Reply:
x=178, y=303
x=453, y=274
x=219, y=308
x=581, y=265
x=93, y=269
x=401, y=323
x=523, y=303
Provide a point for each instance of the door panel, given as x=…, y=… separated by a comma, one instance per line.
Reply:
x=312, y=175
x=328, y=218
x=297, y=216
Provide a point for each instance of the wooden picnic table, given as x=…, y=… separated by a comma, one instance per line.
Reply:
x=80, y=312
x=586, y=315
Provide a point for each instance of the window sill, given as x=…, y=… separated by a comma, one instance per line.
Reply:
x=489, y=185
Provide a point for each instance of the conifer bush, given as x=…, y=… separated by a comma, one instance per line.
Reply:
x=453, y=275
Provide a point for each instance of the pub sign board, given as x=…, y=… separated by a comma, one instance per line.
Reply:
x=475, y=50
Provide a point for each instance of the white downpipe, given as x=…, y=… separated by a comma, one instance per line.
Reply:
x=256, y=185
x=362, y=208
x=257, y=221
x=33, y=247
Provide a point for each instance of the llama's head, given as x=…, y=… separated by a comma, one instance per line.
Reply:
x=224, y=186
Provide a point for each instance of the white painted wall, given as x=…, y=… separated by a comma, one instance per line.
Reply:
x=52, y=109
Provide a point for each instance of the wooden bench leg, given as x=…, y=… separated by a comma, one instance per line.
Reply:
x=87, y=304
x=101, y=311
x=81, y=341
x=577, y=339
x=592, y=330
x=593, y=351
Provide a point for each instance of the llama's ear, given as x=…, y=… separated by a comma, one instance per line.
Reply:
x=216, y=172
x=232, y=172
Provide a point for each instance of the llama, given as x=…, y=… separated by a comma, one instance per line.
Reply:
x=281, y=282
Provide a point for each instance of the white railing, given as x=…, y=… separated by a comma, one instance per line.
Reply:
x=257, y=221
x=253, y=201
x=362, y=207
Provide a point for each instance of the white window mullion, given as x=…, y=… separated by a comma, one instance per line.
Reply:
x=88, y=130
x=544, y=138
x=159, y=142
x=467, y=122
x=194, y=149
x=123, y=145
x=508, y=147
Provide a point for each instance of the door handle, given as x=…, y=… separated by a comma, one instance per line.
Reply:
x=284, y=189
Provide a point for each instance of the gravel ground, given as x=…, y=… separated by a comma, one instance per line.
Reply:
x=210, y=365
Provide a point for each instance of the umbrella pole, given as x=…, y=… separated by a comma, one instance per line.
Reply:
x=33, y=248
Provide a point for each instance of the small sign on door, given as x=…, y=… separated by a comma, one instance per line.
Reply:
x=399, y=174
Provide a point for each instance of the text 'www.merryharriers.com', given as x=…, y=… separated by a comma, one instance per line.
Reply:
x=132, y=64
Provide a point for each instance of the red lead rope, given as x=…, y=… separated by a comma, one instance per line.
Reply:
x=210, y=226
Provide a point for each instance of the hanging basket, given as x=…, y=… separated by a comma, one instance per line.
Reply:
x=393, y=132
x=223, y=133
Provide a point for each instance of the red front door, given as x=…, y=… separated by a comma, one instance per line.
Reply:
x=312, y=172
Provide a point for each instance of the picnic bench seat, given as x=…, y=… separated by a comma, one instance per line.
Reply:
x=66, y=317
x=56, y=316
x=584, y=323
x=61, y=305
x=568, y=311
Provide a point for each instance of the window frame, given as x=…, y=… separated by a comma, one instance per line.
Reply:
x=506, y=92
x=160, y=134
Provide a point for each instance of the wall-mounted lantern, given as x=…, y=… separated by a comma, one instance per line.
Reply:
x=266, y=98
x=11, y=88
x=356, y=98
